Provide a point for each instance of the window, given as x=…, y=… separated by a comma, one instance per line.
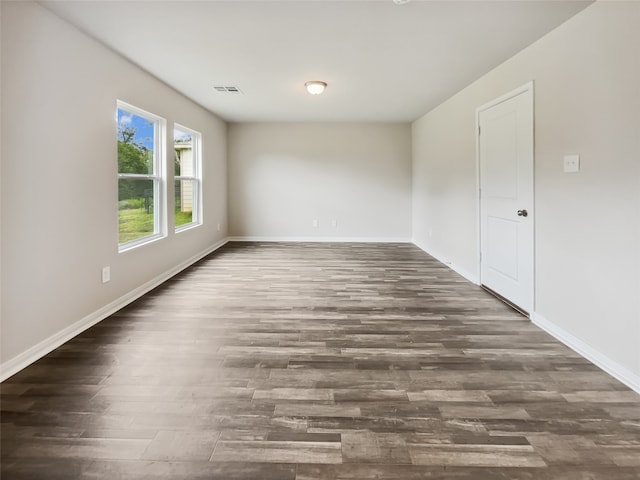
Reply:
x=141, y=200
x=186, y=144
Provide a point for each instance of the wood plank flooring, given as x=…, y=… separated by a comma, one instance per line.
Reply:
x=317, y=361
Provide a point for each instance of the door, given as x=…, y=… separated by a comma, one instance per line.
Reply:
x=505, y=151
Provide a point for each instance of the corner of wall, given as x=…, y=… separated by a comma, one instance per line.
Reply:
x=473, y=278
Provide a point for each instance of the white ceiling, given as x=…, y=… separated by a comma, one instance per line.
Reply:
x=383, y=62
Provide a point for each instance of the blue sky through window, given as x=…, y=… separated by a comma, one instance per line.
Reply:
x=143, y=127
x=180, y=136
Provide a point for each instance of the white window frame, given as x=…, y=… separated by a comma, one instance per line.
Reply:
x=196, y=212
x=159, y=177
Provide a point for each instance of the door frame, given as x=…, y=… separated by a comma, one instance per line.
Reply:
x=526, y=88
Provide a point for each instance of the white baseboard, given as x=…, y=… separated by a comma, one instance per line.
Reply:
x=321, y=239
x=26, y=358
x=613, y=368
x=473, y=278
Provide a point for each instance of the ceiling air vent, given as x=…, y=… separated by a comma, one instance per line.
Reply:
x=227, y=89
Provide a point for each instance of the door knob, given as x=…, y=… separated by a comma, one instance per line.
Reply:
x=522, y=213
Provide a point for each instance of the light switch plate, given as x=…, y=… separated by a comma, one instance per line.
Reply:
x=571, y=163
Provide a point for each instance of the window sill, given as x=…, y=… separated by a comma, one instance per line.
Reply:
x=133, y=244
x=188, y=226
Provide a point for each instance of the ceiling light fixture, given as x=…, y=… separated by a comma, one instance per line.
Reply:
x=401, y=2
x=315, y=87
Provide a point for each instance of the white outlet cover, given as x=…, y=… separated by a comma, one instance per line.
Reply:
x=571, y=164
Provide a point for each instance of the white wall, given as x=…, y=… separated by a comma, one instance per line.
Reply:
x=283, y=176
x=587, y=101
x=59, y=184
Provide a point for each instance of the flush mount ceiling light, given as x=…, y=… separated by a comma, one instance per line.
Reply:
x=315, y=87
x=401, y=2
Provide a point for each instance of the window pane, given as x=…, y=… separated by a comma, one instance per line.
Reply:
x=185, y=191
x=135, y=143
x=186, y=147
x=135, y=208
x=141, y=153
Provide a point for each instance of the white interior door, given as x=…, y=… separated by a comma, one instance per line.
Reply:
x=505, y=148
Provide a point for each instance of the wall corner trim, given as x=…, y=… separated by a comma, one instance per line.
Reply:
x=613, y=368
x=460, y=271
x=29, y=356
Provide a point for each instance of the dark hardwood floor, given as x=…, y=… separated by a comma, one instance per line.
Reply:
x=317, y=361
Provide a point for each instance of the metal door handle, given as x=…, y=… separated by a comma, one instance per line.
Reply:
x=522, y=213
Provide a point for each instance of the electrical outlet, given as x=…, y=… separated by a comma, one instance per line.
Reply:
x=218, y=227
x=334, y=223
x=316, y=223
x=106, y=274
x=571, y=163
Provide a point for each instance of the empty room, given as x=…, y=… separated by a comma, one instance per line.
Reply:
x=320, y=240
